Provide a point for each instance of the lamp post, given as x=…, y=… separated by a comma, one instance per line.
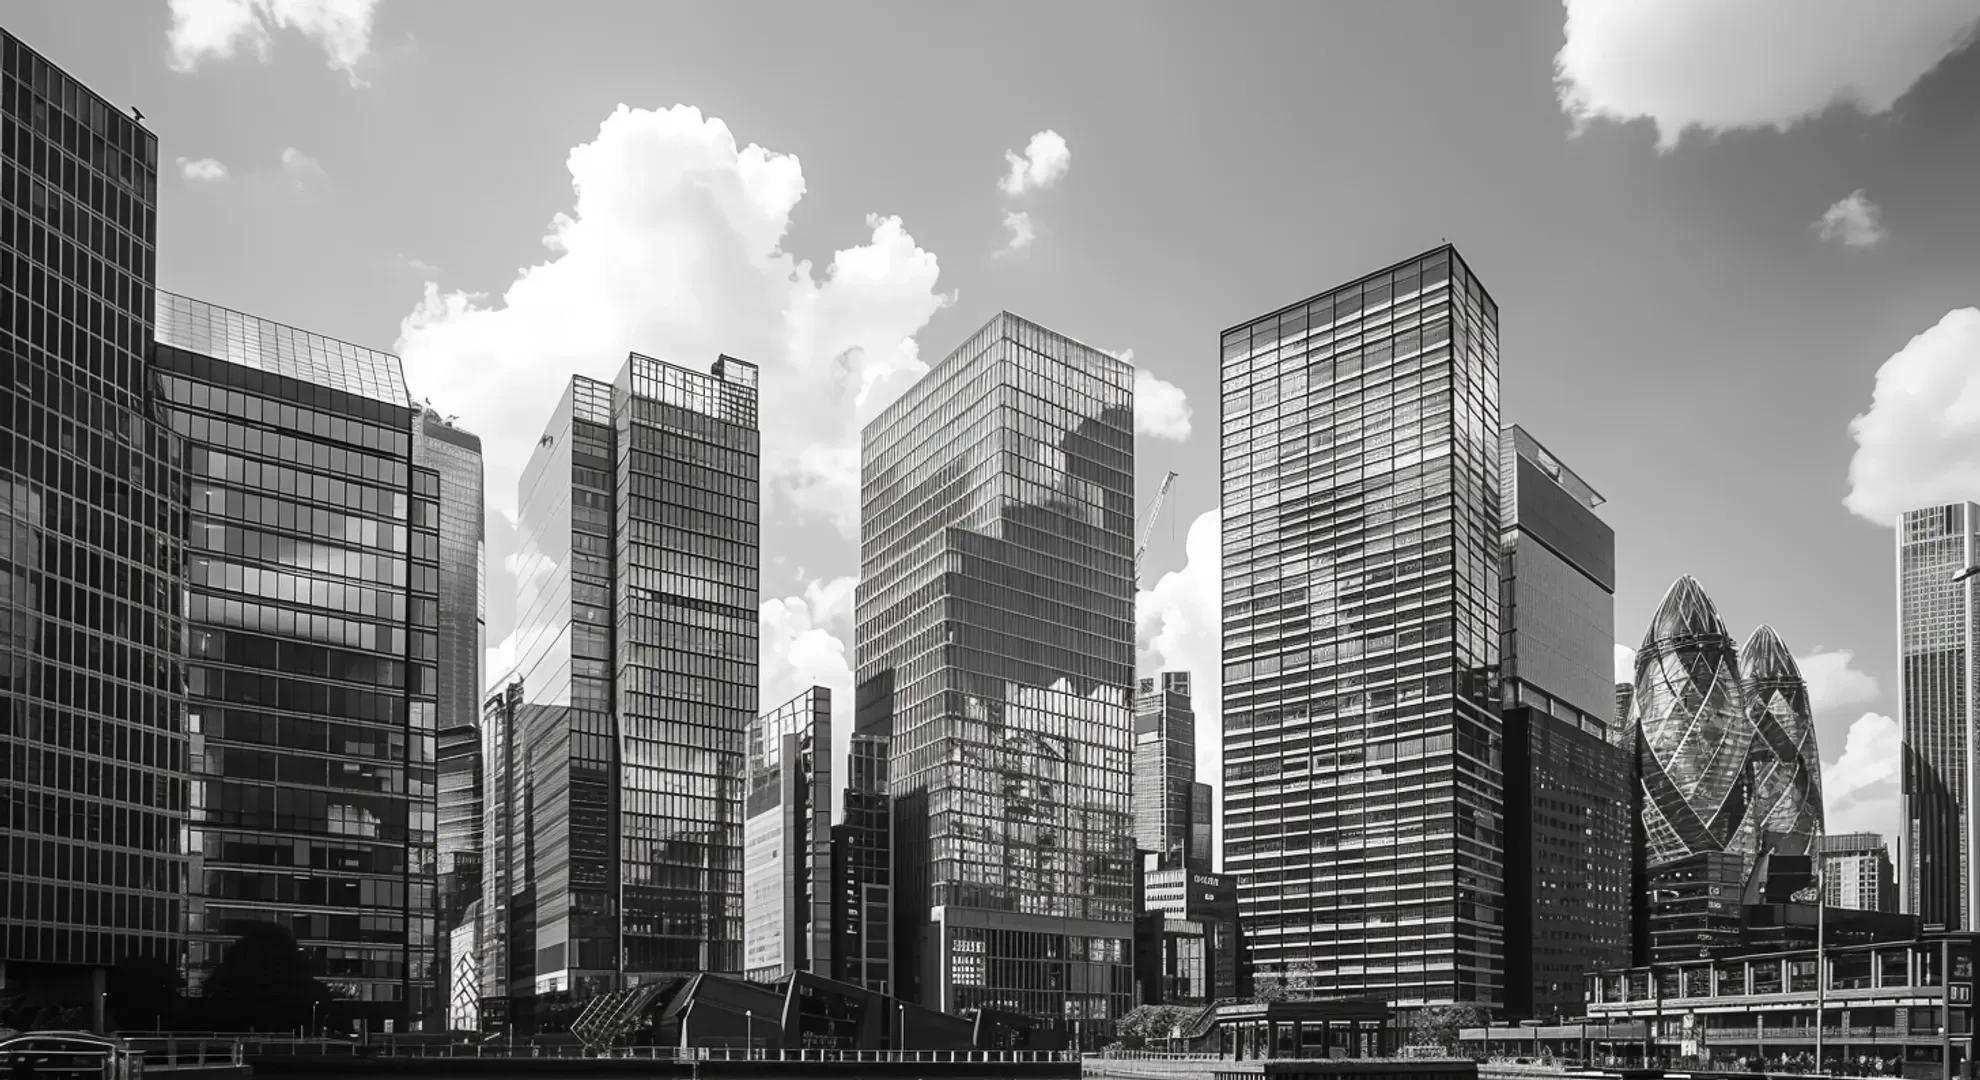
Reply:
x=900, y=1026
x=749, y=1017
x=1821, y=939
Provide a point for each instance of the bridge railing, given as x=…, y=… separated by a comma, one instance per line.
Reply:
x=382, y=1048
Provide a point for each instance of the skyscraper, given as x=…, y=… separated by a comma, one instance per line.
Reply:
x=863, y=871
x=1171, y=807
x=454, y=456
x=1939, y=703
x=1786, y=814
x=1695, y=775
x=637, y=646
x=92, y=523
x=507, y=963
x=995, y=646
x=787, y=840
x=1857, y=872
x=313, y=587
x=1361, y=530
x=1567, y=784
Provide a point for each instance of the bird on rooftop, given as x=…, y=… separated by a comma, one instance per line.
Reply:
x=135, y=114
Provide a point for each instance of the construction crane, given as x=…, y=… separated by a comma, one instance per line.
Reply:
x=1148, y=528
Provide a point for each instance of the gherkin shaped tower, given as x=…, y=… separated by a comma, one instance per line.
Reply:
x=1694, y=736
x=1786, y=815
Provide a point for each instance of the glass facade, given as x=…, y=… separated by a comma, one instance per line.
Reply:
x=1857, y=872
x=93, y=746
x=995, y=647
x=506, y=964
x=862, y=871
x=1567, y=785
x=1939, y=699
x=313, y=607
x=638, y=654
x=787, y=840
x=1362, y=784
x=1786, y=814
x=1171, y=809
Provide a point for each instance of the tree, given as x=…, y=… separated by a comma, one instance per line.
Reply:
x=262, y=983
x=1440, y=1025
x=1152, y=1022
x=1297, y=981
x=144, y=992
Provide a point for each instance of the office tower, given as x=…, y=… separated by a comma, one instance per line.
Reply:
x=638, y=647
x=995, y=645
x=1171, y=808
x=1694, y=740
x=1567, y=785
x=1786, y=812
x=1195, y=919
x=862, y=871
x=312, y=622
x=92, y=708
x=507, y=962
x=1939, y=702
x=1857, y=872
x=455, y=456
x=787, y=840
x=1362, y=793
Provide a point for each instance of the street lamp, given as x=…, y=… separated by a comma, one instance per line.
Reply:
x=749, y=1017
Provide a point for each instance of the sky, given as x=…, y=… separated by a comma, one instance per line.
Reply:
x=1735, y=246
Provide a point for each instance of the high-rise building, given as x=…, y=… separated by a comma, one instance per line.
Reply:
x=1939, y=703
x=1171, y=807
x=995, y=646
x=638, y=652
x=862, y=871
x=507, y=962
x=1857, y=872
x=454, y=456
x=1786, y=813
x=463, y=1006
x=1567, y=784
x=93, y=744
x=1362, y=786
x=313, y=611
x=787, y=840
x=1694, y=740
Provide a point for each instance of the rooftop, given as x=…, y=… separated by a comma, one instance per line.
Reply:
x=265, y=345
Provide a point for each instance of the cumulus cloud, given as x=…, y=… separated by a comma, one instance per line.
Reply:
x=1022, y=233
x=1715, y=67
x=413, y=264
x=1045, y=159
x=221, y=29
x=803, y=644
x=1625, y=663
x=1919, y=443
x=1854, y=220
x=1161, y=409
x=1834, y=682
x=203, y=169
x=301, y=169
x=674, y=248
x=1179, y=627
x=1860, y=788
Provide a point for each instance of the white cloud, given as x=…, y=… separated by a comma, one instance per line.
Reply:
x=1046, y=158
x=1717, y=66
x=1918, y=444
x=302, y=169
x=1625, y=663
x=1161, y=409
x=1833, y=683
x=413, y=264
x=1860, y=789
x=1178, y=625
x=1022, y=233
x=222, y=28
x=803, y=644
x=675, y=249
x=202, y=169
x=1854, y=220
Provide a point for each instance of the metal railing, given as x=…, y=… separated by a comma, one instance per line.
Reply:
x=289, y=1047
x=174, y=1053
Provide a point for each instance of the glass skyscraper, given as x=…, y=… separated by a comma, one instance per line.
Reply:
x=1171, y=807
x=313, y=611
x=995, y=646
x=93, y=746
x=787, y=840
x=1939, y=703
x=1361, y=531
x=862, y=871
x=638, y=654
x=1568, y=786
